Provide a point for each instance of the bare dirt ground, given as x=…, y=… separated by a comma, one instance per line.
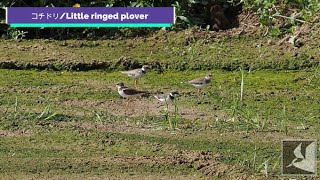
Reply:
x=205, y=162
x=18, y=133
x=146, y=107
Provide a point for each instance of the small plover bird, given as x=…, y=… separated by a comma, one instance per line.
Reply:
x=200, y=82
x=126, y=92
x=167, y=99
x=137, y=73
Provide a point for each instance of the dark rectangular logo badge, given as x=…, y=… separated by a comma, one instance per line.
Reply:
x=299, y=157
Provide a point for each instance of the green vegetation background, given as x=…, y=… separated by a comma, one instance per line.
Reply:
x=281, y=16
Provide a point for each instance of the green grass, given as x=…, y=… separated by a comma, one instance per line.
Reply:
x=275, y=104
x=263, y=90
x=67, y=124
x=171, y=50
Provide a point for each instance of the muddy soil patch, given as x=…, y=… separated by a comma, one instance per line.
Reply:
x=207, y=163
x=17, y=133
x=140, y=108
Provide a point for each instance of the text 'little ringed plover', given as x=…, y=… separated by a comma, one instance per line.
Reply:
x=137, y=73
x=166, y=99
x=126, y=92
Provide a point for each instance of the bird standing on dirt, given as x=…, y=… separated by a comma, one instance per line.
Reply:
x=137, y=73
x=126, y=92
x=168, y=98
x=200, y=82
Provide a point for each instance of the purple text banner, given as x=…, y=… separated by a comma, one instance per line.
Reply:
x=88, y=15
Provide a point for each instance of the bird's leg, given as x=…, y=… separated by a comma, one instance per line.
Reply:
x=159, y=105
x=132, y=109
x=203, y=95
x=127, y=104
x=135, y=82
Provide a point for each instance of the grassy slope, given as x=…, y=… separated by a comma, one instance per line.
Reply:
x=181, y=51
x=274, y=103
x=38, y=126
